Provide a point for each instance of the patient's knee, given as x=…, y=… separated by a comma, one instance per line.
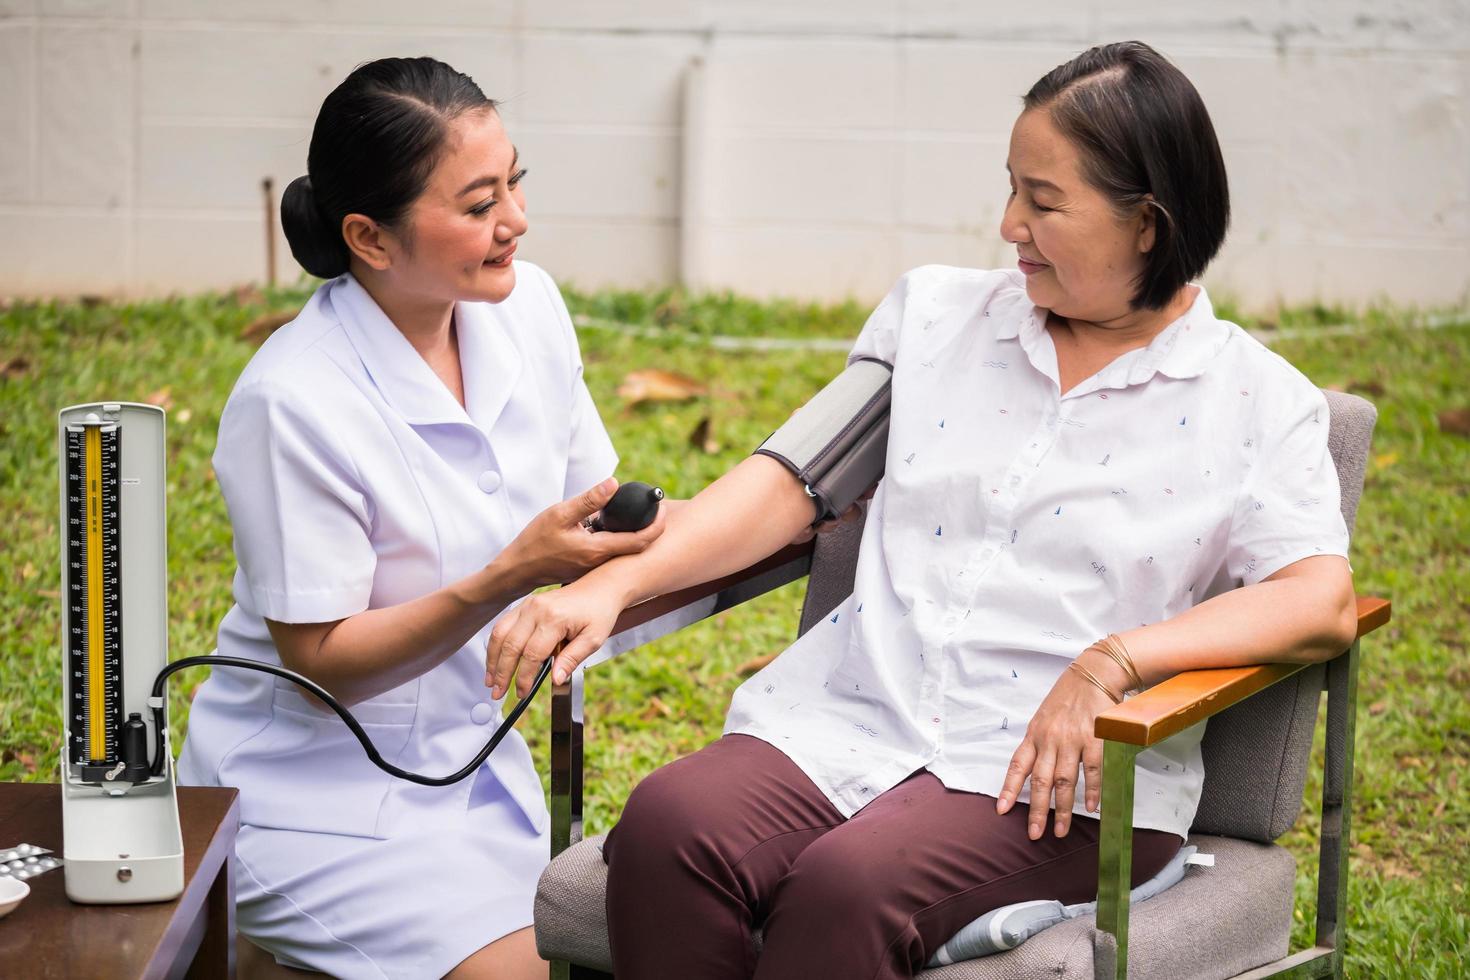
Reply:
x=666, y=819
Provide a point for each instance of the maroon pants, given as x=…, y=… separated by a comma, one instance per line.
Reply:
x=736, y=837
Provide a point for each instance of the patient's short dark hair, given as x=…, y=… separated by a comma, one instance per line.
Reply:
x=1142, y=130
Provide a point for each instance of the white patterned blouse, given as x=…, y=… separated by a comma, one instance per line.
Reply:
x=1016, y=525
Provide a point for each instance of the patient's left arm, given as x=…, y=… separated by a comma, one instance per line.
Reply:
x=1303, y=613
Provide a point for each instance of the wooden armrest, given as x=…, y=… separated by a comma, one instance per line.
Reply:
x=651, y=609
x=1194, y=695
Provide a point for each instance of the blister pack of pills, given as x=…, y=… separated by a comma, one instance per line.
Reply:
x=26, y=861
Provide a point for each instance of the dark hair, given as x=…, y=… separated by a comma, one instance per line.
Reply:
x=1142, y=130
x=376, y=140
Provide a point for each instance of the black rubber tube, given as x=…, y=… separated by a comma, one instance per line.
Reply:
x=214, y=660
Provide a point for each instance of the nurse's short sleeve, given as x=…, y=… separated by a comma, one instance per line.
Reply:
x=1291, y=506
x=590, y=454
x=591, y=457
x=300, y=517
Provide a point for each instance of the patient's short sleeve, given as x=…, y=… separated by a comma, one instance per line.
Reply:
x=1291, y=507
x=879, y=336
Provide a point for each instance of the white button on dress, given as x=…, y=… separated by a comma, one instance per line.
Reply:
x=489, y=481
x=481, y=713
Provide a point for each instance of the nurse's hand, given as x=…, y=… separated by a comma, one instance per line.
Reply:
x=556, y=547
x=1058, y=741
x=578, y=618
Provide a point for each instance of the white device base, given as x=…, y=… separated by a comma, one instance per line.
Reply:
x=122, y=849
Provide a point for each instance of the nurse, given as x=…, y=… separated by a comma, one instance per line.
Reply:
x=412, y=454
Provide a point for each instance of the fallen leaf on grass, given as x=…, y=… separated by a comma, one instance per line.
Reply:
x=262, y=327
x=655, y=385
x=247, y=295
x=26, y=759
x=1384, y=460
x=755, y=664
x=700, y=437
x=162, y=398
x=1377, y=708
x=656, y=708
x=48, y=593
x=1374, y=389
x=1455, y=422
x=15, y=367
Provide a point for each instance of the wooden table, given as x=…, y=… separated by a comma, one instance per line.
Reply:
x=50, y=936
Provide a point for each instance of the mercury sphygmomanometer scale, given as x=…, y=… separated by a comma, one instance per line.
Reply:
x=120, y=822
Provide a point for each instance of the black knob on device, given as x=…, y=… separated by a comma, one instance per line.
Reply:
x=133, y=748
x=632, y=508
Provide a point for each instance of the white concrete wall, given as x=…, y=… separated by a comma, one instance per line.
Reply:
x=811, y=148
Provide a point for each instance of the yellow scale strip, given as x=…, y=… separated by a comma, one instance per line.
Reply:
x=96, y=683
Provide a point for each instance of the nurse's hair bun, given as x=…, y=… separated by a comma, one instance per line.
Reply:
x=377, y=139
x=317, y=246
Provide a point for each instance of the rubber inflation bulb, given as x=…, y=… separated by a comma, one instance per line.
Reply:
x=632, y=508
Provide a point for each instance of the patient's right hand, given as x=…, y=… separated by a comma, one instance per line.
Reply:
x=580, y=615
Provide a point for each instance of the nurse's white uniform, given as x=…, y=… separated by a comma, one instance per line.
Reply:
x=354, y=480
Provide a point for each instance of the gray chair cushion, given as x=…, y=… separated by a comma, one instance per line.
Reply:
x=571, y=908
x=1256, y=758
x=1217, y=922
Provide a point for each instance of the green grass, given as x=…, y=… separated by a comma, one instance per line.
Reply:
x=1406, y=900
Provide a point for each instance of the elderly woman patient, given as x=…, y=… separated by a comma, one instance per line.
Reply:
x=1092, y=483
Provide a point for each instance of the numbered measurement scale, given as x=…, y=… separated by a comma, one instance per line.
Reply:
x=120, y=818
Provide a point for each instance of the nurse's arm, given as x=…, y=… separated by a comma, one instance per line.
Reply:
x=376, y=650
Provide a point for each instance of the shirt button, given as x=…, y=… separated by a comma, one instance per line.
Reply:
x=489, y=481
x=481, y=713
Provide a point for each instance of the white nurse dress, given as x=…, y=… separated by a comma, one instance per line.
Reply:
x=354, y=480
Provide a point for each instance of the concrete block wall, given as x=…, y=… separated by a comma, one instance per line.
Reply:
x=812, y=148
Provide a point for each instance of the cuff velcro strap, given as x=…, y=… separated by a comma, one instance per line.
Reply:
x=836, y=443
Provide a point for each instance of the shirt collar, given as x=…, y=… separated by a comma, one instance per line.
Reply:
x=489, y=361
x=1183, y=349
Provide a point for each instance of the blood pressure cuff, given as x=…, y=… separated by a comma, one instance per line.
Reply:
x=836, y=443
